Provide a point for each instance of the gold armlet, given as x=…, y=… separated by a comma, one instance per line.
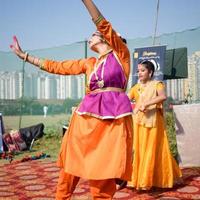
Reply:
x=98, y=19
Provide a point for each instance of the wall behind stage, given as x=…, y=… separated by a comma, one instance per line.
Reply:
x=1, y=133
x=188, y=133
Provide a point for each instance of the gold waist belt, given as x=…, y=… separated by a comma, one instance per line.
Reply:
x=107, y=89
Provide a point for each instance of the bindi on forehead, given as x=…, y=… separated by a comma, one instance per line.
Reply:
x=141, y=66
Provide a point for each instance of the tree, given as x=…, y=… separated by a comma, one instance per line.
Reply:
x=69, y=103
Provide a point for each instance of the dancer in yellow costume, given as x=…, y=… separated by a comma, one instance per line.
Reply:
x=153, y=164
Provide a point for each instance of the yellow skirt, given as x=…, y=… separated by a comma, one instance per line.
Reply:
x=153, y=164
x=97, y=149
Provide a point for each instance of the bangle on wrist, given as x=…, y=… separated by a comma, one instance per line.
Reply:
x=33, y=61
x=25, y=57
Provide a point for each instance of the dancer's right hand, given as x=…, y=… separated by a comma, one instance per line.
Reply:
x=16, y=48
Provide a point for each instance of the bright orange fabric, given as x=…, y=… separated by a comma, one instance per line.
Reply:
x=119, y=47
x=66, y=185
x=101, y=149
x=100, y=189
x=86, y=66
x=93, y=148
x=153, y=164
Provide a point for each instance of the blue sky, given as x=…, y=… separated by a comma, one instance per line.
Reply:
x=48, y=23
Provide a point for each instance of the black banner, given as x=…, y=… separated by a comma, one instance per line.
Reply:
x=155, y=54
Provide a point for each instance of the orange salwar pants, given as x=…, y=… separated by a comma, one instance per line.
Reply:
x=100, y=189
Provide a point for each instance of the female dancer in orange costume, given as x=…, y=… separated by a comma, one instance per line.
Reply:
x=98, y=143
x=153, y=164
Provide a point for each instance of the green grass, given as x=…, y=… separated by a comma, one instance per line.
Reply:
x=12, y=122
x=49, y=143
x=49, y=146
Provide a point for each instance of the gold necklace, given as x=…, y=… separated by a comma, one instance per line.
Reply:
x=100, y=82
x=142, y=88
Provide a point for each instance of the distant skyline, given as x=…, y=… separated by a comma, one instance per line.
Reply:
x=42, y=24
x=43, y=85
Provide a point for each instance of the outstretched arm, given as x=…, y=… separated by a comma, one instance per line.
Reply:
x=23, y=55
x=92, y=9
x=66, y=67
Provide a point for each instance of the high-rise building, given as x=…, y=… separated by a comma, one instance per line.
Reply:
x=74, y=87
x=80, y=86
x=192, y=84
x=10, y=87
x=62, y=87
x=30, y=85
x=175, y=89
x=52, y=87
x=42, y=85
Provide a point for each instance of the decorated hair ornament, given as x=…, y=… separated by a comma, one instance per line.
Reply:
x=155, y=64
x=123, y=39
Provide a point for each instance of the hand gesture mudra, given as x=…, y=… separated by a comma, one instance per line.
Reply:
x=22, y=54
x=16, y=48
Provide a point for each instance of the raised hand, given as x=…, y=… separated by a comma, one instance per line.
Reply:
x=92, y=9
x=16, y=48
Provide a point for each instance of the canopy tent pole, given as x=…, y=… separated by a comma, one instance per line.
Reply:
x=156, y=23
x=22, y=94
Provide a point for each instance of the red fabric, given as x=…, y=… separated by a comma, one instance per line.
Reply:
x=37, y=179
x=14, y=141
